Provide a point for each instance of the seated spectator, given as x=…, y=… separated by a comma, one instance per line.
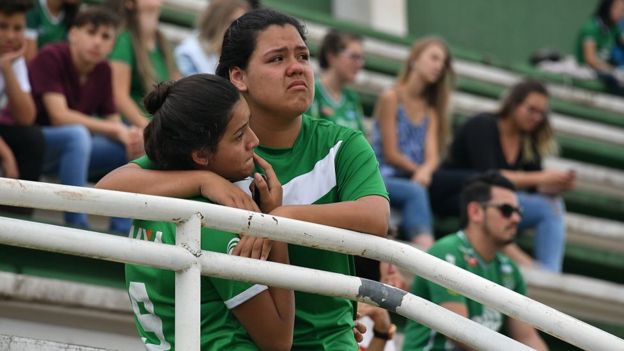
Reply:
x=200, y=52
x=72, y=88
x=410, y=134
x=49, y=23
x=341, y=57
x=21, y=144
x=513, y=140
x=490, y=216
x=141, y=57
x=596, y=41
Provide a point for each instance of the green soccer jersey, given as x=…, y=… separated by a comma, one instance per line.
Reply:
x=327, y=164
x=43, y=27
x=152, y=295
x=124, y=52
x=347, y=112
x=603, y=37
x=457, y=250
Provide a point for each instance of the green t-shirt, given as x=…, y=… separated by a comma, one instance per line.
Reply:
x=604, y=37
x=327, y=164
x=457, y=250
x=42, y=27
x=152, y=295
x=124, y=52
x=347, y=112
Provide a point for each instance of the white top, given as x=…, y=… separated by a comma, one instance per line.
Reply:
x=191, y=57
x=21, y=73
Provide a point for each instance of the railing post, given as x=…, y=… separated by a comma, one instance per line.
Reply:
x=187, y=287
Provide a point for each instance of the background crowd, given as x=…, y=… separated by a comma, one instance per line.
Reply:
x=72, y=81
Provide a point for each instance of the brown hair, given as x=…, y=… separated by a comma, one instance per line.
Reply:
x=436, y=94
x=141, y=54
x=542, y=138
x=215, y=20
x=334, y=42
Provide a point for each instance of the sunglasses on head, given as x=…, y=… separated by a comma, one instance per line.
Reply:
x=506, y=210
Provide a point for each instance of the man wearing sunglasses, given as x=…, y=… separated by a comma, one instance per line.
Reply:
x=489, y=216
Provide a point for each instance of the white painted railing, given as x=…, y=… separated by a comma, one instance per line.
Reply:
x=186, y=259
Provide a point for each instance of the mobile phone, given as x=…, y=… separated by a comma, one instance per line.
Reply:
x=255, y=194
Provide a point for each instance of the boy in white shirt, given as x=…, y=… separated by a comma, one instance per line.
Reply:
x=21, y=144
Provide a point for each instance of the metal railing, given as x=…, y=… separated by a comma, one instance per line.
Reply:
x=188, y=260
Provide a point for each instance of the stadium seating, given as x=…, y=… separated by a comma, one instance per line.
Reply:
x=589, y=126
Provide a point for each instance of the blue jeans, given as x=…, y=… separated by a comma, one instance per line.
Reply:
x=413, y=201
x=546, y=215
x=73, y=154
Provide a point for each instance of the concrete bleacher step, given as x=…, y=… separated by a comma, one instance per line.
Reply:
x=597, y=179
x=16, y=343
x=36, y=298
x=584, y=297
x=45, y=314
x=597, y=233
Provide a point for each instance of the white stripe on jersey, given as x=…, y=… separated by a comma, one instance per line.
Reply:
x=245, y=295
x=307, y=188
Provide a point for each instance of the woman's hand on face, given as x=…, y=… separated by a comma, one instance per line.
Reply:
x=223, y=192
x=253, y=247
x=269, y=189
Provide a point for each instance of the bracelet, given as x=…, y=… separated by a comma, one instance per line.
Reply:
x=383, y=336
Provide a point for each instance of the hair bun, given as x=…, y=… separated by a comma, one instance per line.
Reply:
x=156, y=98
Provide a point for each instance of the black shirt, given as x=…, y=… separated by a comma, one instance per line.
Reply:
x=477, y=146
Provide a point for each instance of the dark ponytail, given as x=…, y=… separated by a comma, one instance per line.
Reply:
x=188, y=115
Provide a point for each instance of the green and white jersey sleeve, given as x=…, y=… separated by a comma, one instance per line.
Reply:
x=152, y=293
x=346, y=112
x=327, y=164
x=43, y=27
x=456, y=249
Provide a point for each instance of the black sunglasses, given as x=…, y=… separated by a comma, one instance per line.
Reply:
x=506, y=210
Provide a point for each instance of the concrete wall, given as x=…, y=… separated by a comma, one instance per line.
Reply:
x=508, y=30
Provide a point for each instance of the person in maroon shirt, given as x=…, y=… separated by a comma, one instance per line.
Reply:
x=72, y=88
